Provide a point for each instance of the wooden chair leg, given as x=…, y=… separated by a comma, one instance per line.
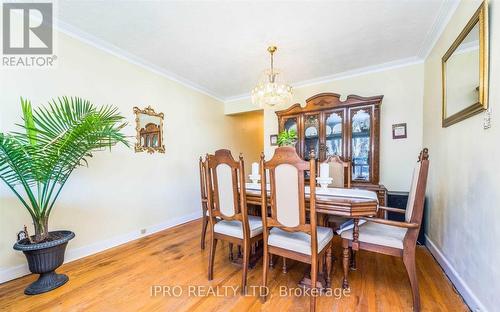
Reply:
x=329, y=265
x=314, y=279
x=409, y=261
x=246, y=260
x=265, y=268
x=284, y=265
x=213, y=245
x=231, y=252
x=271, y=262
x=345, y=262
x=204, y=229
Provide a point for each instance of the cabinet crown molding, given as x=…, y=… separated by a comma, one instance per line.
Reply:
x=328, y=100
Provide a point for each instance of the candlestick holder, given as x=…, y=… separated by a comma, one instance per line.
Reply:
x=255, y=178
x=324, y=182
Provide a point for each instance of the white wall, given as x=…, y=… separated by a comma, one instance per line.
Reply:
x=464, y=180
x=122, y=191
x=403, y=93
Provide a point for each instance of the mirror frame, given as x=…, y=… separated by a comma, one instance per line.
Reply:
x=480, y=17
x=151, y=112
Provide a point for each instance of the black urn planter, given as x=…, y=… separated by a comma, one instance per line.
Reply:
x=44, y=258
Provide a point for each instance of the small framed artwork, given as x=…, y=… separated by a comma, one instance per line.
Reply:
x=273, y=138
x=399, y=131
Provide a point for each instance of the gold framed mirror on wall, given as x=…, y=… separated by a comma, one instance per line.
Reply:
x=149, y=128
x=465, y=71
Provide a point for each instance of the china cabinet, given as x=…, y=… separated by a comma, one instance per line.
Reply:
x=349, y=128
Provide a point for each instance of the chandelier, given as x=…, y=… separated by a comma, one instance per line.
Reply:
x=271, y=89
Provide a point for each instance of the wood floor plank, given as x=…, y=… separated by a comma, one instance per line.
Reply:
x=121, y=279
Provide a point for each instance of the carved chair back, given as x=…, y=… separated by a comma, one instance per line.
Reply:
x=287, y=193
x=225, y=180
x=203, y=180
x=416, y=198
x=340, y=171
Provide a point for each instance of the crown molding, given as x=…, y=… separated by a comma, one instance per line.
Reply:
x=446, y=10
x=360, y=71
x=344, y=75
x=132, y=58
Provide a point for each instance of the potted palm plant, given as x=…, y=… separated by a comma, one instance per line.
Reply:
x=36, y=163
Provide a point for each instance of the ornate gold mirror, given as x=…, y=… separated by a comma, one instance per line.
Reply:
x=149, y=127
x=465, y=71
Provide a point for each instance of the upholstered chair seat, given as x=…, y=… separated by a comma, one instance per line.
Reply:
x=379, y=234
x=299, y=241
x=235, y=228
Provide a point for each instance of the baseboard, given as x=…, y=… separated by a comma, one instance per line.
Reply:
x=470, y=298
x=77, y=253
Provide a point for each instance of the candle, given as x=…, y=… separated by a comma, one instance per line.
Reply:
x=324, y=171
x=255, y=168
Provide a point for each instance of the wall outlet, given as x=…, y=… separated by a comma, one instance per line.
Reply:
x=143, y=231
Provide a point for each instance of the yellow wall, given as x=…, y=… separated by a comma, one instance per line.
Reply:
x=250, y=131
x=403, y=92
x=121, y=192
x=464, y=180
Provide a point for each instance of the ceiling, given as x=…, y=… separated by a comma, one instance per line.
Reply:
x=220, y=47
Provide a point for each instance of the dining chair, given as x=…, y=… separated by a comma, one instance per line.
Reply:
x=204, y=200
x=228, y=217
x=392, y=237
x=287, y=231
x=340, y=171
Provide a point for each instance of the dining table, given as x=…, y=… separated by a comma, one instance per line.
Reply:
x=351, y=203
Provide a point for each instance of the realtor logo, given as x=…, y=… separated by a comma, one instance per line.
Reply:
x=27, y=30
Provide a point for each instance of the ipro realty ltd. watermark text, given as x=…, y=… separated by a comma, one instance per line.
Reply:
x=230, y=291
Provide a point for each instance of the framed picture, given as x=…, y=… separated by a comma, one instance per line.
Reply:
x=399, y=131
x=273, y=138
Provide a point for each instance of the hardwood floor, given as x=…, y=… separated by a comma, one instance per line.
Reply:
x=121, y=279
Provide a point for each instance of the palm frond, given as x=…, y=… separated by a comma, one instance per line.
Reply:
x=56, y=139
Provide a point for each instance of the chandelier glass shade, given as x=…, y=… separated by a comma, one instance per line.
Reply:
x=271, y=89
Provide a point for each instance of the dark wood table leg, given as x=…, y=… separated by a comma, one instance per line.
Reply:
x=321, y=283
x=355, y=243
x=255, y=256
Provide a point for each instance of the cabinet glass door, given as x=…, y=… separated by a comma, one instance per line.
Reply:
x=361, y=144
x=292, y=123
x=311, y=135
x=334, y=133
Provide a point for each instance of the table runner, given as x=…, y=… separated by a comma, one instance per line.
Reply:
x=331, y=191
